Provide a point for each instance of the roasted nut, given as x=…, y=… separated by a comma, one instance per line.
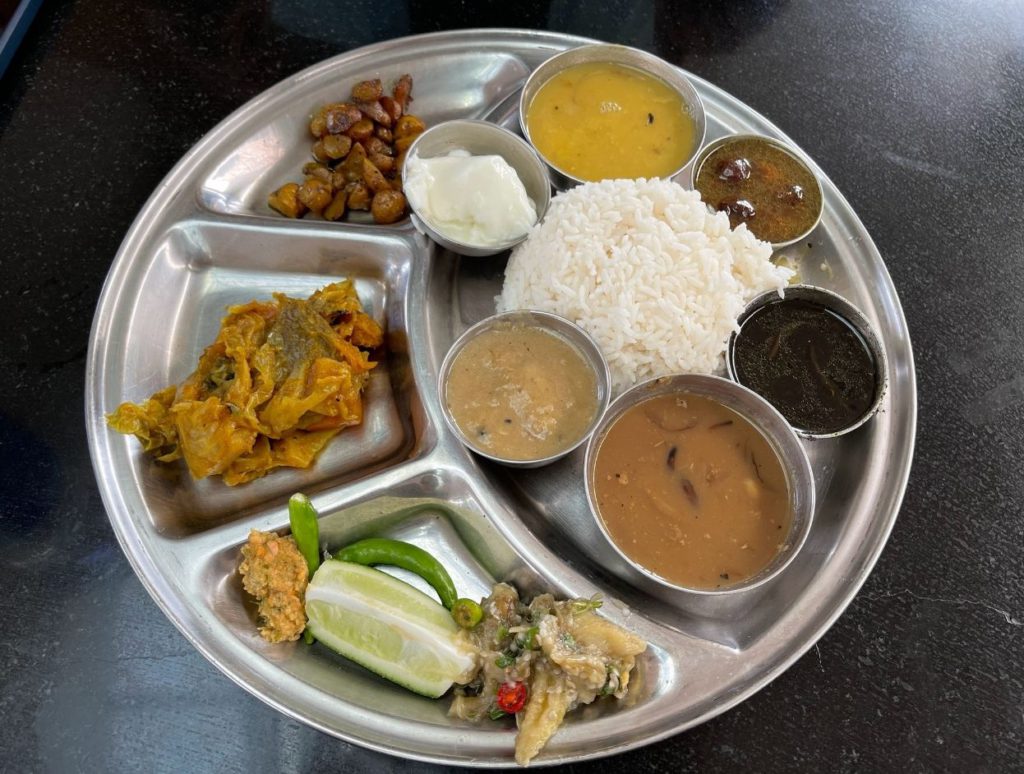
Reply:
x=286, y=201
x=318, y=124
x=391, y=107
x=315, y=194
x=361, y=129
x=341, y=116
x=373, y=177
x=374, y=111
x=359, y=197
x=376, y=145
x=408, y=126
x=368, y=91
x=388, y=206
x=336, y=146
x=385, y=164
x=403, y=91
x=336, y=209
x=319, y=152
x=319, y=171
x=352, y=166
x=359, y=149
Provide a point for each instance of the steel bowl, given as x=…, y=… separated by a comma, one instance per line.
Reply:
x=481, y=138
x=624, y=55
x=836, y=303
x=564, y=329
x=711, y=147
x=765, y=418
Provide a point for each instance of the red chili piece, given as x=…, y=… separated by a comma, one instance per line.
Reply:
x=511, y=697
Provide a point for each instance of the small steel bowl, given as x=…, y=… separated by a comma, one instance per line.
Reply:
x=765, y=418
x=481, y=138
x=848, y=312
x=714, y=145
x=624, y=55
x=564, y=329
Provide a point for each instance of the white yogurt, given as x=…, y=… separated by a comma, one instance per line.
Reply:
x=476, y=200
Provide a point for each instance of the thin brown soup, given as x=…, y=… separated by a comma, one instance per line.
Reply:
x=690, y=490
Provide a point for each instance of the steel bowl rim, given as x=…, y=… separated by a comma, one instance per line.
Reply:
x=529, y=316
x=799, y=462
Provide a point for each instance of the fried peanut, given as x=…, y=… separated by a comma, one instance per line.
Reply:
x=375, y=112
x=286, y=201
x=374, y=178
x=391, y=107
x=336, y=146
x=359, y=197
x=336, y=209
x=361, y=129
x=315, y=194
x=368, y=91
x=407, y=126
x=388, y=206
x=402, y=92
x=341, y=116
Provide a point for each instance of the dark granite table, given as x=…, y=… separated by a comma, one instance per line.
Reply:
x=915, y=110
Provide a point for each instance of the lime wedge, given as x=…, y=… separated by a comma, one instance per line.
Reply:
x=387, y=626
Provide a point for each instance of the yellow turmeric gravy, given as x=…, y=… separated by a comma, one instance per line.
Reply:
x=692, y=491
x=521, y=393
x=601, y=120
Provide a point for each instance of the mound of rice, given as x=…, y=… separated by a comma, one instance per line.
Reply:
x=647, y=270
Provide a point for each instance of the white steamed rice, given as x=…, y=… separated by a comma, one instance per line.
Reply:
x=647, y=270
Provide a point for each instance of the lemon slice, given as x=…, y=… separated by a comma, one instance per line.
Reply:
x=387, y=626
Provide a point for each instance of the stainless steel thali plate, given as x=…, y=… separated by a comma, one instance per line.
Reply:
x=206, y=239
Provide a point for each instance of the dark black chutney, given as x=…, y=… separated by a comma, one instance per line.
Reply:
x=809, y=362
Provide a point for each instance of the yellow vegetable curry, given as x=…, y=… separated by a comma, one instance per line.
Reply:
x=282, y=378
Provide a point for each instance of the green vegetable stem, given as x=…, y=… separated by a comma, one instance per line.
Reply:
x=408, y=557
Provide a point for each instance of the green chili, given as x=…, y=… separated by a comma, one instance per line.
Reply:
x=404, y=555
x=305, y=529
x=467, y=613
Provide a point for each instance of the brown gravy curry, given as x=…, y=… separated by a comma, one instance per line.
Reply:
x=691, y=491
x=520, y=393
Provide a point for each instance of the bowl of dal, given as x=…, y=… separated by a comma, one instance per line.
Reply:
x=699, y=484
x=524, y=388
x=601, y=112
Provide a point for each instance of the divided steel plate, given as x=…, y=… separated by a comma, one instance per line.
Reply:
x=206, y=239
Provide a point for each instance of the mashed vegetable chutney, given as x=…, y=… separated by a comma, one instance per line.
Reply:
x=601, y=120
